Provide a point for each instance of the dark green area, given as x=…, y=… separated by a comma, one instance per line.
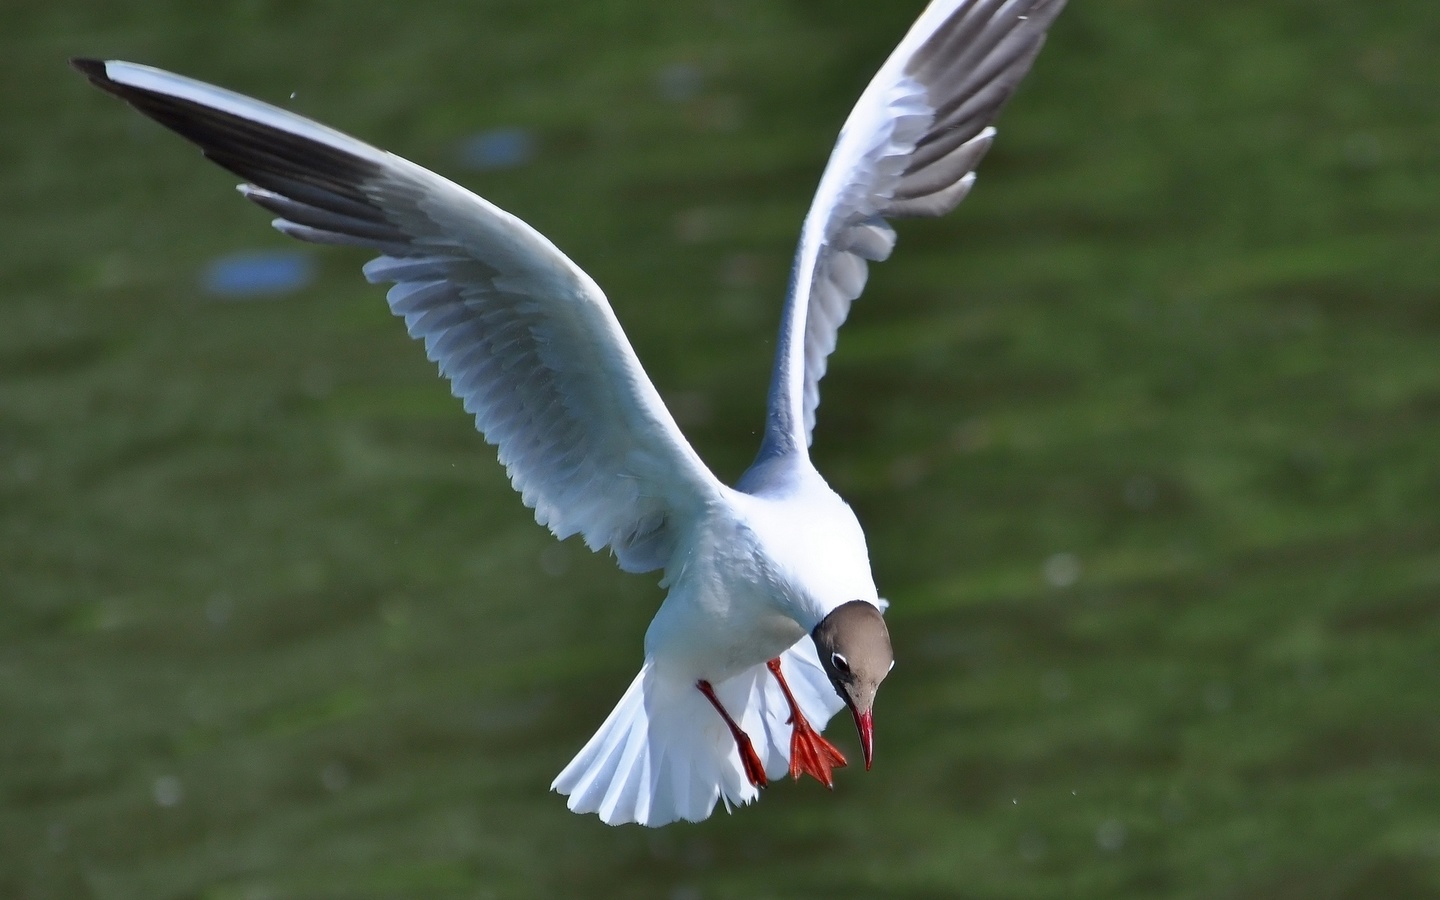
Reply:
x=273, y=625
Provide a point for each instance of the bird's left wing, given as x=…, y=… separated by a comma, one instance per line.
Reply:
x=525, y=337
x=908, y=148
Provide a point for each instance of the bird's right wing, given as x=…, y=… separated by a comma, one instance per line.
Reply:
x=525, y=337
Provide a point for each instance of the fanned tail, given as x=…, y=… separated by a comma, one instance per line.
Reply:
x=663, y=754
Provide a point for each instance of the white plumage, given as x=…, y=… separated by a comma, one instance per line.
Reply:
x=770, y=569
x=663, y=754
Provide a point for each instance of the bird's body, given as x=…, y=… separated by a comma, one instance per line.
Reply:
x=779, y=566
x=752, y=595
x=772, y=618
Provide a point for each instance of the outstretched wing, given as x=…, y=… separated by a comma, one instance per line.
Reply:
x=909, y=148
x=525, y=337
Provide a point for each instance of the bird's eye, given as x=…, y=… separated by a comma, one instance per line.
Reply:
x=840, y=663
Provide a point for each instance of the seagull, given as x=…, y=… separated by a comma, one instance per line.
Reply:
x=772, y=622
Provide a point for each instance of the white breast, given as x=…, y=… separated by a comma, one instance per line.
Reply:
x=755, y=577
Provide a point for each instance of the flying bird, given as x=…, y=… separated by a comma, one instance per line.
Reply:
x=772, y=622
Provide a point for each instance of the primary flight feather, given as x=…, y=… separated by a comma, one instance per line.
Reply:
x=772, y=622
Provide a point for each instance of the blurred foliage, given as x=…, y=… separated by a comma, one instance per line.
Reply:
x=1144, y=437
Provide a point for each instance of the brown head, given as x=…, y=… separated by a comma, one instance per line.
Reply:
x=854, y=648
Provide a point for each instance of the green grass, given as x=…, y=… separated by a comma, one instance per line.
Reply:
x=275, y=626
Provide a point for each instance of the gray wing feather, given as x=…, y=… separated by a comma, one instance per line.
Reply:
x=526, y=339
x=909, y=148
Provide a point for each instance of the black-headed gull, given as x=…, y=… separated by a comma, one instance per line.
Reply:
x=772, y=622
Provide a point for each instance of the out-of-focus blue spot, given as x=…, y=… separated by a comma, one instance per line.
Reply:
x=498, y=148
x=258, y=274
x=679, y=82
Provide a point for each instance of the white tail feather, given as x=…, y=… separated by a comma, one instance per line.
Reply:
x=664, y=754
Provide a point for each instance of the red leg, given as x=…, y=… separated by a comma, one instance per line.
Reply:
x=810, y=754
x=748, y=757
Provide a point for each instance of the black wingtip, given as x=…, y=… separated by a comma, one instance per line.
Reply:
x=93, y=69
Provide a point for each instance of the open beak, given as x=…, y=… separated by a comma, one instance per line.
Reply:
x=865, y=724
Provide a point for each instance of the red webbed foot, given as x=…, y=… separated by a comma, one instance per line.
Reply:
x=810, y=754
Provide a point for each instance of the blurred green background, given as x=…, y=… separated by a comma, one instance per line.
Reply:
x=1144, y=438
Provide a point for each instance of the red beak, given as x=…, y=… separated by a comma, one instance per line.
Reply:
x=865, y=724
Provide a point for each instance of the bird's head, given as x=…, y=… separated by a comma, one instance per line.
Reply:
x=854, y=648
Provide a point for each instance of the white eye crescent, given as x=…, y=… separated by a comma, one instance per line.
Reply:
x=840, y=663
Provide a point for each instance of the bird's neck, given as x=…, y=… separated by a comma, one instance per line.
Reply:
x=808, y=537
